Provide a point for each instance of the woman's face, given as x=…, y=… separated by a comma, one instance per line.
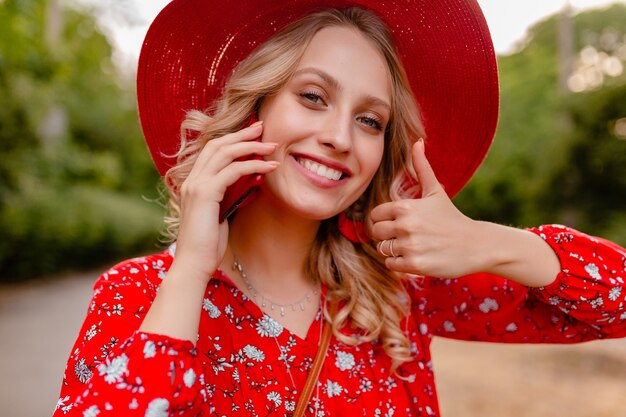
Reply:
x=329, y=122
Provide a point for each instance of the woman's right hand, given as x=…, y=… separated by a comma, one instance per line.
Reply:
x=202, y=240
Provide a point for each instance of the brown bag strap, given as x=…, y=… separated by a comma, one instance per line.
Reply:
x=316, y=368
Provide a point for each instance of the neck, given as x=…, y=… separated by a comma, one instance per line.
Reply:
x=273, y=245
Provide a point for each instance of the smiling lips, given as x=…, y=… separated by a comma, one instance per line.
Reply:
x=320, y=169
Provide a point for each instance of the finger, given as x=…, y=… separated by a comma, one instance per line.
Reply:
x=425, y=174
x=226, y=155
x=383, y=230
x=249, y=133
x=382, y=212
x=400, y=264
x=386, y=247
x=229, y=175
x=211, y=188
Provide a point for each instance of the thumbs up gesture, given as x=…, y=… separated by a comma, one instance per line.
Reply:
x=427, y=235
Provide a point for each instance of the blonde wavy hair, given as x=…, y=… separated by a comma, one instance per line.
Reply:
x=375, y=298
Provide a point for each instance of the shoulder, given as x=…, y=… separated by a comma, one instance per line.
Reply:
x=145, y=273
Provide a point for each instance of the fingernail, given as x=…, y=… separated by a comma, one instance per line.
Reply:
x=255, y=124
x=270, y=144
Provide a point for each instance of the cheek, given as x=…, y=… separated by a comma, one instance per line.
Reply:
x=283, y=125
x=282, y=112
x=372, y=158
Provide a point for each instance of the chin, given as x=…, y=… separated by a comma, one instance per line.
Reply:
x=308, y=205
x=315, y=213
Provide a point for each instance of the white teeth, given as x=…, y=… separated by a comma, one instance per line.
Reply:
x=321, y=170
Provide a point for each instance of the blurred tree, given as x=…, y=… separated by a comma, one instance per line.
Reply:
x=61, y=84
x=590, y=183
x=25, y=66
x=534, y=140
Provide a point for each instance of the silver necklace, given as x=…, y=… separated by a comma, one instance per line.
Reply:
x=264, y=301
x=237, y=266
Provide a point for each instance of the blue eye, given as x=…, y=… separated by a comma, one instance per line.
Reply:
x=312, y=97
x=371, y=122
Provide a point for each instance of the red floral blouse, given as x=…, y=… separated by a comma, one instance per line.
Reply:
x=245, y=363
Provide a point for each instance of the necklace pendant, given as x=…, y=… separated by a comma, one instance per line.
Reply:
x=256, y=295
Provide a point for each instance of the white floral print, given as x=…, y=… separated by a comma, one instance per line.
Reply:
x=448, y=326
x=365, y=385
x=114, y=370
x=149, y=349
x=344, y=360
x=91, y=332
x=290, y=405
x=593, y=271
x=511, y=327
x=275, y=397
x=92, y=411
x=488, y=304
x=615, y=293
x=61, y=404
x=209, y=307
x=157, y=408
x=189, y=378
x=82, y=371
x=254, y=353
x=332, y=388
x=268, y=327
x=596, y=302
x=117, y=309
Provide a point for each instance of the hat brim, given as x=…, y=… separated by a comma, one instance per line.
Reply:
x=193, y=45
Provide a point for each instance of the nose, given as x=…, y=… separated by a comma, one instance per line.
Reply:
x=337, y=132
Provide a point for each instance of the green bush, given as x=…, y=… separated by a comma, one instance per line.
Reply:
x=49, y=230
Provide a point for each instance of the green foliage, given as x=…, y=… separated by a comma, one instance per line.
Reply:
x=49, y=230
x=72, y=159
x=553, y=158
x=591, y=187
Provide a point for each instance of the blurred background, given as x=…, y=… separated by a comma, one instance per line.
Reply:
x=78, y=190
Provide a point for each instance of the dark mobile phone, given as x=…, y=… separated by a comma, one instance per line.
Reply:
x=244, y=190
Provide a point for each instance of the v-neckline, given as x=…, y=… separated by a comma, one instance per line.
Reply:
x=313, y=333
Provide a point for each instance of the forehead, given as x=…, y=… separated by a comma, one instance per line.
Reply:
x=351, y=58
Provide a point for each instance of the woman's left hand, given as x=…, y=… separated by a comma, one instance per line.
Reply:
x=428, y=235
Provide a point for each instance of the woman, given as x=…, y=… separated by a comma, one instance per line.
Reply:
x=348, y=226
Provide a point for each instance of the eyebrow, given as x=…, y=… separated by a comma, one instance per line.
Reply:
x=334, y=83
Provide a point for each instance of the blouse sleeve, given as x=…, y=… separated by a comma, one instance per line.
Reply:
x=585, y=302
x=114, y=369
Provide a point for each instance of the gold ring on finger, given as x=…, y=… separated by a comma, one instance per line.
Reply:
x=380, y=248
x=391, y=248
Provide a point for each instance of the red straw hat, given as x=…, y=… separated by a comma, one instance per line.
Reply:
x=193, y=45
